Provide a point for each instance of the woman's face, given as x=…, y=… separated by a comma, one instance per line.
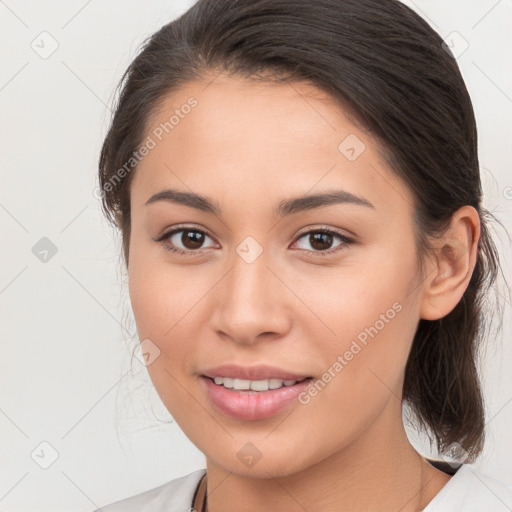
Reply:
x=280, y=287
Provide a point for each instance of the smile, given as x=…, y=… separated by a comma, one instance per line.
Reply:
x=253, y=385
x=252, y=400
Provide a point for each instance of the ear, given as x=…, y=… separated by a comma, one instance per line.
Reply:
x=451, y=267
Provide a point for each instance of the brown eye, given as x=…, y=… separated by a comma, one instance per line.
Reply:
x=321, y=241
x=187, y=241
x=192, y=239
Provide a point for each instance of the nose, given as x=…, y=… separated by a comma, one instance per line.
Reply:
x=251, y=303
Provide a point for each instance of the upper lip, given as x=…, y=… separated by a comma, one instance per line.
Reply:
x=259, y=372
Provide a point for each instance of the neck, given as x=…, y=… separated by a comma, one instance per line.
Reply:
x=380, y=470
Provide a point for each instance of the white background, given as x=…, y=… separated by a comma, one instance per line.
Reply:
x=65, y=371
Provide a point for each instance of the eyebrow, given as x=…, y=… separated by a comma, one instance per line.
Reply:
x=284, y=208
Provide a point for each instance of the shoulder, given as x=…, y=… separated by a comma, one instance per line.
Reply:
x=472, y=490
x=175, y=495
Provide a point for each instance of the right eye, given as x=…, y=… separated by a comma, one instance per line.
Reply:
x=184, y=240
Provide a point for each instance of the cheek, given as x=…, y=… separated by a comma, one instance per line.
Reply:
x=164, y=315
x=362, y=374
x=159, y=296
x=372, y=313
x=170, y=306
x=161, y=304
x=372, y=295
x=150, y=290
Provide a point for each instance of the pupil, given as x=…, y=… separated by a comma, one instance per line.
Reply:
x=324, y=239
x=192, y=239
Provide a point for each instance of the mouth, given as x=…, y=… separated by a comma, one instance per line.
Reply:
x=254, y=385
x=252, y=400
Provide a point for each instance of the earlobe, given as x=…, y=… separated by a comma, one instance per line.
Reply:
x=453, y=265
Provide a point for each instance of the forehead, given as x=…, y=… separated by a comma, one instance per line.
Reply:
x=231, y=134
x=229, y=109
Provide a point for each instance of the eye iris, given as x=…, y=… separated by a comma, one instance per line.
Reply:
x=323, y=239
x=192, y=239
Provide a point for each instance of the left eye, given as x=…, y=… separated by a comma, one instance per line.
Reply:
x=322, y=240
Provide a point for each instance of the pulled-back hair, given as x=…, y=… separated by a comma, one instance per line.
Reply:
x=392, y=74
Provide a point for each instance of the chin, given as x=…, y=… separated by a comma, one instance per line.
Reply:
x=264, y=458
x=275, y=468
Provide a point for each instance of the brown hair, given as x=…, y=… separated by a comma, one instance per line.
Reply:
x=390, y=69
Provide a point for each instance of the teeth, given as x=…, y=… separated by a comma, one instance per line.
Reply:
x=275, y=383
x=228, y=383
x=241, y=384
x=253, y=385
x=260, y=385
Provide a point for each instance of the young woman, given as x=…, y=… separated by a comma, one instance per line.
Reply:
x=297, y=187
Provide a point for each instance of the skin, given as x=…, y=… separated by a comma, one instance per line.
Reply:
x=248, y=146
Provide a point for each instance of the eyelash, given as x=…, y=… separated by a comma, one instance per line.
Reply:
x=166, y=236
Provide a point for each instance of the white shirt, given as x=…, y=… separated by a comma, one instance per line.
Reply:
x=468, y=490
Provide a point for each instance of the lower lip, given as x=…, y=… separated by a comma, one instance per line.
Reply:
x=253, y=405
